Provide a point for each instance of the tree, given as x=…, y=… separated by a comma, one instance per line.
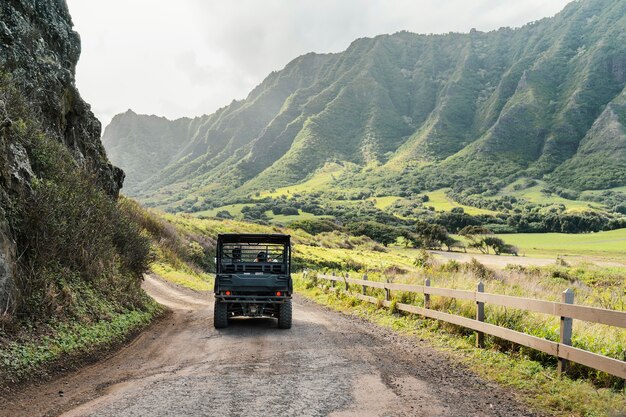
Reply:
x=315, y=226
x=451, y=242
x=223, y=214
x=494, y=243
x=379, y=232
x=476, y=236
x=431, y=235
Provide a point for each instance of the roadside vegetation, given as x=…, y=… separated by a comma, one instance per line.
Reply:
x=534, y=382
x=80, y=258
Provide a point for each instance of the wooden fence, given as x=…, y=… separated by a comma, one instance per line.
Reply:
x=566, y=310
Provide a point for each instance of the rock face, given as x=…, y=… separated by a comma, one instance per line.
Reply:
x=38, y=53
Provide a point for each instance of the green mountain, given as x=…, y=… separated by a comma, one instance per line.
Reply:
x=405, y=113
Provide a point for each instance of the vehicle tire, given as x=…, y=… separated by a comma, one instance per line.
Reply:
x=284, y=315
x=220, y=314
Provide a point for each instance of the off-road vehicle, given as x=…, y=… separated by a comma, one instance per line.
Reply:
x=253, y=278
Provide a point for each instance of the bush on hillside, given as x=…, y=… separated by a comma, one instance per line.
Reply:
x=315, y=226
x=79, y=254
x=76, y=244
x=379, y=232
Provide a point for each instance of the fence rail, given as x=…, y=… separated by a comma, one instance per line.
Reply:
x=566, y=310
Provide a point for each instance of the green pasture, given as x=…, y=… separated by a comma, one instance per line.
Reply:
x=441, y=202
x=319, y=180
x=233, y=209
x=285, y=219
x=535, y=195
x=610, y=244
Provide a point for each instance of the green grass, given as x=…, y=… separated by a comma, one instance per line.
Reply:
x=535, y=383
x=384, y=202
x=195, y=281
x=233, y=209
x=534, y=195
x=37, y=350
x=598, y=192
x=441, y=202
x=610, y=244
x=359, y=259
x=286, y=219
x=321, y=179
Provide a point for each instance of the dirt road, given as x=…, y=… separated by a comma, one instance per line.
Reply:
x=327, y=364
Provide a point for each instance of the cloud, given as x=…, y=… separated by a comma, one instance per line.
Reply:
x=191, y=57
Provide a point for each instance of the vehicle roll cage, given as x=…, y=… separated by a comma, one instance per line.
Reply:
x=253, y=253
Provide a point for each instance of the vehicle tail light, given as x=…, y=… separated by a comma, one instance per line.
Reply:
x=227, y=293
x=278, y=293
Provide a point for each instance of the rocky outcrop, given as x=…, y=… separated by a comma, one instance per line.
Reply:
x=38, y=55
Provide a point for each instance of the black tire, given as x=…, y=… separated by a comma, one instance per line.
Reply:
x=220, y=315
x=284, y=315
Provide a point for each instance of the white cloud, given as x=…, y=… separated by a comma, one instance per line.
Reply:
x=190, y=57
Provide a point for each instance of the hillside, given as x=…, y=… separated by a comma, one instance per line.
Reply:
x=406, y=113
x=71, y=258
x=38, y=54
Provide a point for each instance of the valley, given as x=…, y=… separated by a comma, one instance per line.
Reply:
x=455, y=204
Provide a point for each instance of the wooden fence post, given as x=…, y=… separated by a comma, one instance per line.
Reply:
x=387, y=290
x=427, y=296
x=346, y=282
x=332, y=281
x=364, y=287
x=565, y=338
x=480, y=316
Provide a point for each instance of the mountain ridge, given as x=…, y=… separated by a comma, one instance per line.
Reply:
x=494, y=106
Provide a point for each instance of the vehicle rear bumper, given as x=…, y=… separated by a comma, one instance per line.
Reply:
x=252, y=299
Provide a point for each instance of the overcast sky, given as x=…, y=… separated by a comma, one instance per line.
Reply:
x=190, y=57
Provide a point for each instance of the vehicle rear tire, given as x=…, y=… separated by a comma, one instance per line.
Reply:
x=284, y=315
x=220, y=314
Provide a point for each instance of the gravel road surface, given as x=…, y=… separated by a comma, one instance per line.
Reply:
x=327, y=364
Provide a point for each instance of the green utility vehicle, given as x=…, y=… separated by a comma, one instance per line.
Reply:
x=253, y=278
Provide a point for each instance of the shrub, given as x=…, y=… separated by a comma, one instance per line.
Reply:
x=423, y=259
x=479, y=270
x=379, y=232
x=315, y=226
x=451, y=266
x=77, y=247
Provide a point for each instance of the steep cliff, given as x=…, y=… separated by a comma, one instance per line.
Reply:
x=38, y=55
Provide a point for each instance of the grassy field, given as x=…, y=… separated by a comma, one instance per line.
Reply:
x=233, y=209
x=319, y=180
x=534, y=195
x=606, y=245
x=598, y=192
x=384, y=202
x=441, y=202
x=285, y=219
x=186, y=278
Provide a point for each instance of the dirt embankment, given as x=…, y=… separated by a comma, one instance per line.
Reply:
x=327, y=364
